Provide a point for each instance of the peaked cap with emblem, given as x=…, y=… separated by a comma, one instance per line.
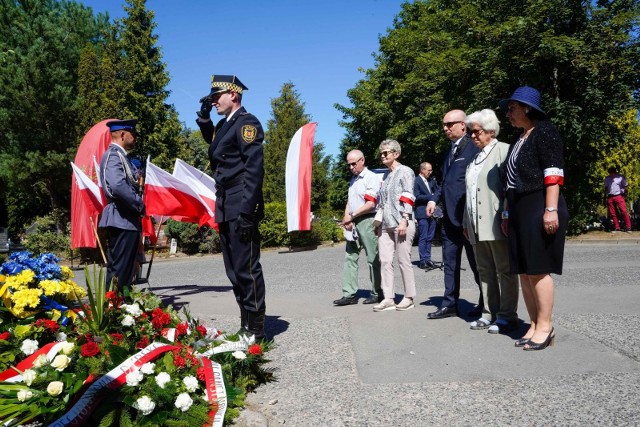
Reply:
x=129, y=125
x=223, y=83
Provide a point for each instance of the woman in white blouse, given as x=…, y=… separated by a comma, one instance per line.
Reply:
x=482, y=221
x=397, y=229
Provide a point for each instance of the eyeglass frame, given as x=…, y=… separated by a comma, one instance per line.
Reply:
x=450, y=124
x=353, y=164
x=386, y=153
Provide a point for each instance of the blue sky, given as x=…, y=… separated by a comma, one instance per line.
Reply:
x=317, y=45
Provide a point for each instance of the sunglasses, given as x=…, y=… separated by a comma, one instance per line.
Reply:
x=449, y=124
x=352, y=164
x=477, y=131
x=386, y=153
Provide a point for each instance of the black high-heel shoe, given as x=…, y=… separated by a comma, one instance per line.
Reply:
x=521, y=342
x=541, y=346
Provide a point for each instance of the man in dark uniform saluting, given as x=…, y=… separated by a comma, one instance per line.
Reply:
x=237, y=159
x=122, y=215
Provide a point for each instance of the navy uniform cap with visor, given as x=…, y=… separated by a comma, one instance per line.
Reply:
x=128, y=125
x=222, y=83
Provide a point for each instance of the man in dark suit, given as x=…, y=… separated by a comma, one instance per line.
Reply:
x=237, y=159
x=453, y=193
x=427, y=192
x=121, y=217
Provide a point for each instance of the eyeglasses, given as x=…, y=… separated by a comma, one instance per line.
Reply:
x=352, y=164
x=386, y=153
x=477, y=131
x=449, y=124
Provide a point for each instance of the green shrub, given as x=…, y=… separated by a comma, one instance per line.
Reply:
x=274, y=226
x=189, y=237
x=46, y=237
x=211, y=243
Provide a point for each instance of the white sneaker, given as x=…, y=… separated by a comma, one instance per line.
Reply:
x=405, y=304
x=385, y=304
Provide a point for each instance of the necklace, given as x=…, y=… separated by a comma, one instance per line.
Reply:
x=475, y=159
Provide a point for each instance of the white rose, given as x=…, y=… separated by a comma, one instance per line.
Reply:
x=162, y=379
x=183, y=402
x=28, y=376
x=133, y=309
x=41, y=361
x=29, y=347
x=191, y=383
x=61, y=337
x=134, y=378
x=148, y=368
x=55, y=388
x=67, y=347
x=24, y=395
x=128, y=321
x=240, y=355
x=60, y=362
x=145, y=405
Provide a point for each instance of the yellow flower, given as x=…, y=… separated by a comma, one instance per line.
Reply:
x=21, y=280
x=25, y=298
x=50, y=287
x=66, y=272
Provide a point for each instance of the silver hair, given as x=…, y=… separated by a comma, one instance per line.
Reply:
x=391, y=145
x=487, y=120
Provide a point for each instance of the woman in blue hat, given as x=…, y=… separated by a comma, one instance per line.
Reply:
x=537, y=216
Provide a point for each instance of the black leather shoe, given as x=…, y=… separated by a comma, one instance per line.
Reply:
x=429, y=265
x=422, y=264
x=443, y=312
x=371, y=300
x=346, y=301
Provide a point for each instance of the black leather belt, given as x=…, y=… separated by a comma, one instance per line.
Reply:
x=613, y=195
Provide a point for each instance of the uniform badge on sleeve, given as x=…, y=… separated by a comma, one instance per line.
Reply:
x=249, y=133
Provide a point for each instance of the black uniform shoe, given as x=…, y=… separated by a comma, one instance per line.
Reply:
x=371, y=300
x=346, y=301
x=443, y=312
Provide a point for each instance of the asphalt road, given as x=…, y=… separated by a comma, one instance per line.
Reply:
x=349, y=366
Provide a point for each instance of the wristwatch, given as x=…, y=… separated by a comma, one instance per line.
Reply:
x=551, y=209
x=505, y=215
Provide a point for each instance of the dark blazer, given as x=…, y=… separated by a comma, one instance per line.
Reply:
x=453, y=186
x=424, y=196
x=119, y=180
x=237, y=159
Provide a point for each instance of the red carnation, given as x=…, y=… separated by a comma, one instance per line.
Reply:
x=49, y=325
x=143, y=343
x=160, y=318
x=5, y=336
x=255, y=349
x=90, y=349
x=111, y=295
x=200, y=374
x=181, y=329
x=202, y=330
x=117, y=337
x=179, y=362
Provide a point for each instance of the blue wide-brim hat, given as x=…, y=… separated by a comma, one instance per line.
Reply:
x=527, y=95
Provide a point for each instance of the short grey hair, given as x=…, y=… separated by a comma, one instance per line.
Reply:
x=487, y=120
x=391, y=145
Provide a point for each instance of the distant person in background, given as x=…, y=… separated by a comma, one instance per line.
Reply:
x=615, y=185
x=364, y=190
x=538, y=216
x=397, y=228
x=122, y=216
x=482, y=225
x=427, y=192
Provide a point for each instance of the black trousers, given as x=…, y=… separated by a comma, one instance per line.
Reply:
x=242, y=264
x=121, y=255
x=453, y=242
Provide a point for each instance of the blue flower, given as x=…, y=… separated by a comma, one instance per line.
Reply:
x=11, y=267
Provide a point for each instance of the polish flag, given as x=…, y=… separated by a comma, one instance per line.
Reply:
x=167, y=195
x=89, y=191
x=96, y=167
x=298, y=178
x=201, y=183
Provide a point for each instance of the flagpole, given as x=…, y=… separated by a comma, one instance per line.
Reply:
x=153, y=250
x=95, y=231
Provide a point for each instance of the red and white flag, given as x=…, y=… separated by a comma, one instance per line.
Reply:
x=96, y=167
x=202, y=183
x=298, y=178
x=89, y=191
x=167, y=195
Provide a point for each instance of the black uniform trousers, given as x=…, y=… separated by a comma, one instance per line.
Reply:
x=122, y=255
x=453, y=241
x=242, y=264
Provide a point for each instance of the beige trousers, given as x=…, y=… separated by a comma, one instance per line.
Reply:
x=389, y=244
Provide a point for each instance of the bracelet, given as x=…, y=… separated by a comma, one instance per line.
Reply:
x=551, y=209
